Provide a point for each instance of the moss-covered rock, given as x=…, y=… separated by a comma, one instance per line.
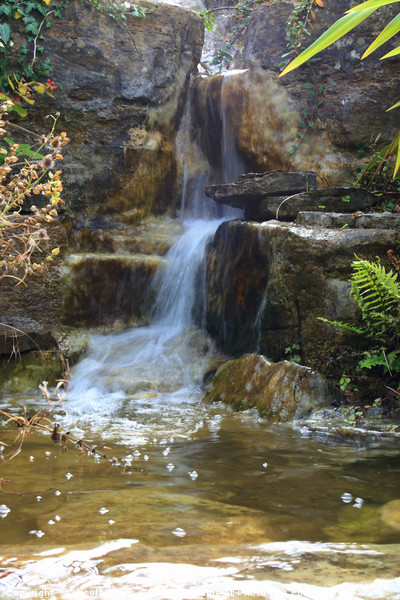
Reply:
x=280, y=391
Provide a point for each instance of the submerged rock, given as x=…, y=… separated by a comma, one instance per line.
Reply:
x=280, y=391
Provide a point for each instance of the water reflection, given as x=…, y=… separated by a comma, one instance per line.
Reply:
x=149, y=531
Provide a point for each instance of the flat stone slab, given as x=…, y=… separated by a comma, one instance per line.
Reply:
x=252, y=187
x=341, y=221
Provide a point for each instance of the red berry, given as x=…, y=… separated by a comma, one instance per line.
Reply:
x=48, y=81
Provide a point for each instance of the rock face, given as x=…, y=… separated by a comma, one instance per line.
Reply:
x=120, y=109
x=269, y=283
x=281, y=392
x=266, y=110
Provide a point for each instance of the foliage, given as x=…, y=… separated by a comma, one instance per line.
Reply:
x=377, y=175
x=239, y=19
x=26, y=170
x=297, y=28
x=36, y=16
x=22, y=62
x=352, y=18
x=377, y=294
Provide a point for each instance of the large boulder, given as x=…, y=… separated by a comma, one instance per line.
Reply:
x=280, y=391
x=268, y=283
x=120, y=103
x=267, y=112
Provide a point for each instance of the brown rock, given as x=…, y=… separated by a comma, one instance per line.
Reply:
x=280, y=391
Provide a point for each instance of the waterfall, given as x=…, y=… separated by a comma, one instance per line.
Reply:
x=171, y=353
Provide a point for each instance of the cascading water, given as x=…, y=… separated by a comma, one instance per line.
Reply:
x=170, y=354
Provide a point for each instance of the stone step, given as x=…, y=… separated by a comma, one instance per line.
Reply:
x=342, y=221
x=101, y=289
x=155, y=236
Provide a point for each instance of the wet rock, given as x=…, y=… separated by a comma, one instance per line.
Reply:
x=27, y=371
x=280, y=391
x=266, y=111
x=101, y=289
x=297, y=275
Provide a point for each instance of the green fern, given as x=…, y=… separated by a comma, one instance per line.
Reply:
x=377, y=294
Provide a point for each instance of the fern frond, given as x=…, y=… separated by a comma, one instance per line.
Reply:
x=343, y=326
x=376, y=292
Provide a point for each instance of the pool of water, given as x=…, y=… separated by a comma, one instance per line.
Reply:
x=210, y=504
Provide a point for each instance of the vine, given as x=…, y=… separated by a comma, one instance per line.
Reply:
x=240, y=18
x=298, y=27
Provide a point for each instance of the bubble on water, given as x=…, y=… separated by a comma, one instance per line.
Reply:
x=193, y=475
x=4, y=510
x=111, y=522
x=136, y=453
x=103, y=510
x=170, y=466
x=166, y=451
x=346, y=498
x=145, y=457
x=51, y=522
x=179, y=532
x=36, y=532
x=31, y=458
x=265, y=465
x=38, y=498
x=57, y=518
x=48, y=453
x=57, y=493
x=68, y=475
x=358, y=502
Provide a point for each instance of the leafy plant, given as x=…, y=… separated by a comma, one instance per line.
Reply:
x=22, y=61
x=377, y=294
x=297, y=28
x=239, y=18
x=26, y=170
x=352, y=18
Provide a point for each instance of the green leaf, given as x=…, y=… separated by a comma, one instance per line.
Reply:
x=18, y=109
x=390, y=30
x=394, y=106
x=394, y=52
x=374, y=4
x=5, y=32
x=335, y=32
